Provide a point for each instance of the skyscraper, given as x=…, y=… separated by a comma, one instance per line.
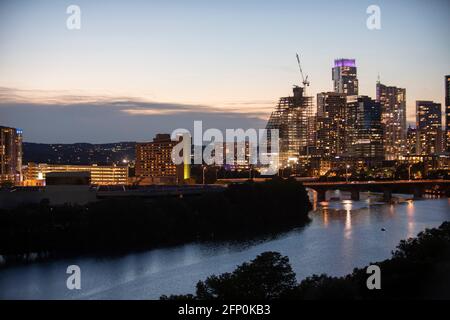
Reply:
x=10, y=155
x=345, y=77
x=411, y=141
x=332, y=131
x=429, y=127
x=393, y=117
x=293, y=118
x=447, y=113
x=366, y=131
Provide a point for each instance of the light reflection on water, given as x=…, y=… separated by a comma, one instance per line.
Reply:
x=410, y=210
x=342, y=235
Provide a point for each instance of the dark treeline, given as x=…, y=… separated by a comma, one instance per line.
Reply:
x=116, y=226
x=418, y=269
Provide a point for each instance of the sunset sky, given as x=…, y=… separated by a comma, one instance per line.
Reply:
x=136, y=68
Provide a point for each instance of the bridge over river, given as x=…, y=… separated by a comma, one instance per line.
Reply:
x=414, y=187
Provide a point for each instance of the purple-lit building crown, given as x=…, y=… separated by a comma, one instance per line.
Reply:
x=344, y=63
x=345, y=77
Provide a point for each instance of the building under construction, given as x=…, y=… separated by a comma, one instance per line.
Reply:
x=294, y=118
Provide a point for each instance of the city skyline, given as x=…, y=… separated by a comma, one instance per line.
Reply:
x=230, y=76
x=203, y=152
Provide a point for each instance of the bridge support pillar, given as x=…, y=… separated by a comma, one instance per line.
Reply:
x=321, y=195
x=418, y=193
x=387, y=195
x=355, y=195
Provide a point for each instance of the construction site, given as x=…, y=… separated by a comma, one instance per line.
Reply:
x=294, y=118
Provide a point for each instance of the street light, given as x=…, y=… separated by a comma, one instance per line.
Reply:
x=346, y=172
x=204, y=168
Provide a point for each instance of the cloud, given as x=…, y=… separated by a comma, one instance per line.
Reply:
x=152, y=109
x=55, y=97
x=59, y=117
x=134, y=105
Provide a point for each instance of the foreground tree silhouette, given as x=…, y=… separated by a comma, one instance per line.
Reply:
x=418, y=269
x=269, y=276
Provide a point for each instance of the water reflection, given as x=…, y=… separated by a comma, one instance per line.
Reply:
x=392, y=209
x=325, y=218
x=342, y=235
x=347, y=205
x=410, y=211
x=348, y=225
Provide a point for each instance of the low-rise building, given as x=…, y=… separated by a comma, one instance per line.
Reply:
x=35, y=174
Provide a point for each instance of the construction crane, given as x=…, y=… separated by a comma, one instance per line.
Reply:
x=304, y=80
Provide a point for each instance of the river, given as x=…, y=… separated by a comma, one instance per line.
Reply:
x=342, y=235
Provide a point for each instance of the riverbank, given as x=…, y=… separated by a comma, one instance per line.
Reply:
x=334, y=243
x=39, y=232
x=418, y=269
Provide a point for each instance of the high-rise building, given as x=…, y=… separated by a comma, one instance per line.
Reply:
x=345, y=77
x=10, y=155
x=393, y=117
x=237, y=155
x=429, y=127
x=154, y=160
x=411, y=141
x=294, y=118
x=366, y=130
x=447, y=113
x=332, y=131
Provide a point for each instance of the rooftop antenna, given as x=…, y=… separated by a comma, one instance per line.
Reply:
x=304, y=80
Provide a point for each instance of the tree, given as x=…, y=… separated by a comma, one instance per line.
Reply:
x=118, y=225
x=6, y=184
x=402, y=172
x=269, y=276
x=418, y=269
